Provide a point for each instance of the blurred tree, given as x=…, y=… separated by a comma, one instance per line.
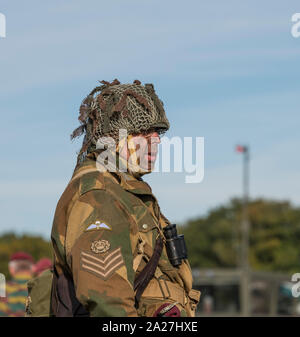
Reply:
x=11, y=243
x=214, y=240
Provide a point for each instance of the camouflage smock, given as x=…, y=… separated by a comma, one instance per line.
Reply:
x=104, y=231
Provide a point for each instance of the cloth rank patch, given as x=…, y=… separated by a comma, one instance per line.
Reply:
x=102, y=267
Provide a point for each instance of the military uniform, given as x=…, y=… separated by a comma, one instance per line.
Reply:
x=104, y=231
x=108, y=225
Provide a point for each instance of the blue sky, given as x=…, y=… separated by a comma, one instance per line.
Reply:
x=226, y=70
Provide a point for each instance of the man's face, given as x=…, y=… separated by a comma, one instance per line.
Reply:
x=143, y=149
x=20, y=266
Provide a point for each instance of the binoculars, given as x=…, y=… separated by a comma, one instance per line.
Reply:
x=175, y=245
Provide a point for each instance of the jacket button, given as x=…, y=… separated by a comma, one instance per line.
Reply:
x=145, y=226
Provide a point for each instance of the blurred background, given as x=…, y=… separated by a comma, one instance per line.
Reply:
x=226, y=71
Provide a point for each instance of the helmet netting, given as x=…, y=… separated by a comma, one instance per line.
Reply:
x=133, y=107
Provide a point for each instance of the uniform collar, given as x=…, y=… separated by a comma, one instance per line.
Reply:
x=126, y=179
x=136, y=186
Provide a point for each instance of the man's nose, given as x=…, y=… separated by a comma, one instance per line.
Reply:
x=155, y=137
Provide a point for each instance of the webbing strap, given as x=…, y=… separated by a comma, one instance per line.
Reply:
x=144, y=277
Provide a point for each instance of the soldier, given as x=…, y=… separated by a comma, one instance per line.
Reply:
x=20, y=268
x=108, y=231
x=39, y=290
x=42, y=265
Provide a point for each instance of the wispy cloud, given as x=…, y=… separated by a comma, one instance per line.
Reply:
x=62, y=43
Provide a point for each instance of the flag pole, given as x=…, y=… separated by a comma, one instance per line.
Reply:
x=245, y=282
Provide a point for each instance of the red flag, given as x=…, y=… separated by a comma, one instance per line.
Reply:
x=240, y=148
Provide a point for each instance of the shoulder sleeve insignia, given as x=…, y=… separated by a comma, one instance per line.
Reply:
x=98, y=225
x=102, y=267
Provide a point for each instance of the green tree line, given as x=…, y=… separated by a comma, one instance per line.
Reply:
x=213, y=240
x=11, y=243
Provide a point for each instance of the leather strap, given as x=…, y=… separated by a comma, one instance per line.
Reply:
x=144, y=277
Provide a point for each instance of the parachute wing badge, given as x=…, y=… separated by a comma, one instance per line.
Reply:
x=98, y=225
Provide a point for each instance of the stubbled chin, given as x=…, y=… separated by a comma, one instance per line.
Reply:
x=148, y=163
x=151, y=158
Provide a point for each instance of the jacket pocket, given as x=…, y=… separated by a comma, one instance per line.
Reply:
x=194, y=298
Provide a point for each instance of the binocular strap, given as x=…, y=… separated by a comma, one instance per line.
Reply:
x=144, y=277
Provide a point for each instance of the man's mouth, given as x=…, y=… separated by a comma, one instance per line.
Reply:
x=152, y=156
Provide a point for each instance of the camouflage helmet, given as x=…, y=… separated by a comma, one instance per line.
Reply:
x=113, y=106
